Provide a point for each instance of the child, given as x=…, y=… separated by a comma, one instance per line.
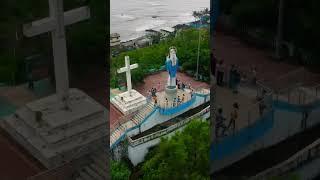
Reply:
x=220, y=123
x=234, y=117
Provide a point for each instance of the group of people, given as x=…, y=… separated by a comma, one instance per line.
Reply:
x=234, y=75
x=220, y=120
x=176, y=101
x=182, y=85
x=152, y=94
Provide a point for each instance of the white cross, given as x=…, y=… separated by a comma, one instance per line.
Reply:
x=127, y=69
x=55, y=24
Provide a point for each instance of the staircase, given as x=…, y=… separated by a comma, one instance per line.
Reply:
x=97, y=169
x=134, y=121
x=139, y=117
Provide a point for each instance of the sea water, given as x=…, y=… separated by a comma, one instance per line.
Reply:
x=130, y=18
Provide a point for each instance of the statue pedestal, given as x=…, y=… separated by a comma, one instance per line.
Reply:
x=128, y=103
x=171, y=92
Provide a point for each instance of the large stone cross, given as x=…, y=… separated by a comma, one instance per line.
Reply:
x=127, y=69
x=55, y=24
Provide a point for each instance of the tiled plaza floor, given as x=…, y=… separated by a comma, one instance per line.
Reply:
x=153, y=81
x=234, y=51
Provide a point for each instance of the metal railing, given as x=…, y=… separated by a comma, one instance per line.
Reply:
x=165, y=131
x=302, y=157
x=299, y=94
x=122, y=120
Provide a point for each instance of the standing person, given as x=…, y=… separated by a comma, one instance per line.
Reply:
x=234, y=117
x=231, y=76
x=167, y=103
x=183, y=86
x=220, y=73
x=262, y=107
x=30, y=83
x=155, y=101
x=237, y=79
x=220, y=123
x=305, y=115
x=159, y=85
x=254, y=75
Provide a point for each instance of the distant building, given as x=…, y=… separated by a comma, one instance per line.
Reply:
x=114, y=39
x=165, y=32
x=180, y=27
x=151, y=32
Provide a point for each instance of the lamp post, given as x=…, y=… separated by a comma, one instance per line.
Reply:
x=197, y=71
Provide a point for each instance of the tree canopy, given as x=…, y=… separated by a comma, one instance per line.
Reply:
x=153, y=57
x=119, y=171
x=183, y=156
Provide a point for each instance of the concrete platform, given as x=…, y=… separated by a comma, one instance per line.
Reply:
x=59, y=135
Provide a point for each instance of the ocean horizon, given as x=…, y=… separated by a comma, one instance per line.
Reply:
x=130, y=18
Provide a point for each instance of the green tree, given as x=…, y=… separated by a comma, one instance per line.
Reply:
x=153, y=57
x=184, y=156
x=119, y=171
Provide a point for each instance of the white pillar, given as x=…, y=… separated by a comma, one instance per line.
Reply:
x=128, y=74
x=59, y=49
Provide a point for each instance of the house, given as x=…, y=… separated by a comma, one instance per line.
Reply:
x=165, y=32
x=114, y=39
x=151, y=33
x=180, y=27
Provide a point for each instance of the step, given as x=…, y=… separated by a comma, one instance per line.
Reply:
x=84, y=175
x=100, y=162
x=93, y=173
x=99, y=170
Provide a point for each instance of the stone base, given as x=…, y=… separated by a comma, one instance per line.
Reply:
x=171, y=92
x=54, y=135
x=129, y=102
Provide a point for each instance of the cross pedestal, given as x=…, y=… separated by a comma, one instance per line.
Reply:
x=131, y=100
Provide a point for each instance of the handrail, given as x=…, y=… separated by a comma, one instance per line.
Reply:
x=167, y=130
x=125, y=118
x=277, y=169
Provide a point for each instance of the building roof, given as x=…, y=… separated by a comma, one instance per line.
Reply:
x=167, y=29
x=151, y=30
x=114, y=35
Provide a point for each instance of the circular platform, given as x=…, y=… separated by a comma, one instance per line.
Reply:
x=171, y=92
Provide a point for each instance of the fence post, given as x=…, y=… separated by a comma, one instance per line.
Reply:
x=249, y=117
x=299, y=97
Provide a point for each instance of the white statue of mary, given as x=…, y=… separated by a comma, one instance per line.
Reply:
x=172, y=67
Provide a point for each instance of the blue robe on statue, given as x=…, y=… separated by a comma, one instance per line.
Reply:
x=172, y=69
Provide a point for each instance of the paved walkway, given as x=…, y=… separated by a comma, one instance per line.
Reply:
x=233, y=51
x=225, y=99
x=153, y=81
